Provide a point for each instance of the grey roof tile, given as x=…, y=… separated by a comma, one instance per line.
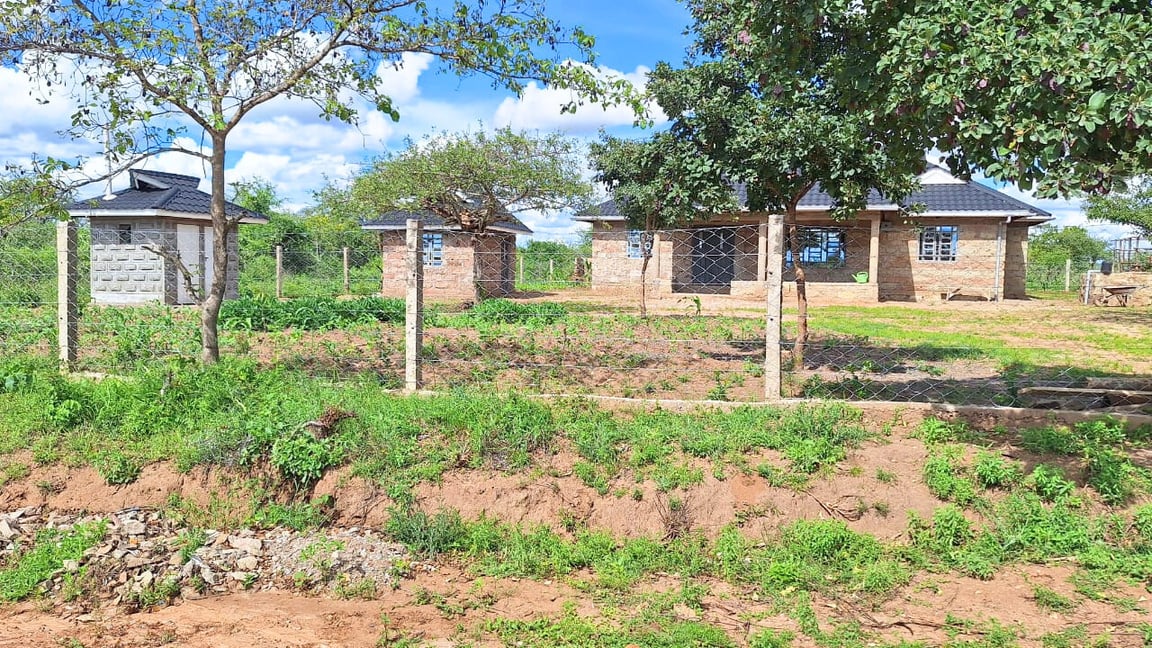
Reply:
x=398, y=220
x=959, y=198
x=154, y=191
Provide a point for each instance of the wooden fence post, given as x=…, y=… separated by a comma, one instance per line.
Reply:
x=279, y=271
x=414, y=307
x=774, y=264
x=347, y=283
x=67, y=276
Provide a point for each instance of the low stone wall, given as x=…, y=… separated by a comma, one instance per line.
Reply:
x=1141, y=296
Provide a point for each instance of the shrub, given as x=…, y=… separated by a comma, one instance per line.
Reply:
x=993, y=471
x=302, y=458
x=263, y=313
x=496, y=311
x=1112, y=475
x=946, y=478
x=1049, y=483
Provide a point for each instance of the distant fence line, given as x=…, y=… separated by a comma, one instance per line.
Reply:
x=573, y=324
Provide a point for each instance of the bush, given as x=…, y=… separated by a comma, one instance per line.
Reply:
x=994, y=471
x=496, y=311
x=1049, y=483
x=308, y=313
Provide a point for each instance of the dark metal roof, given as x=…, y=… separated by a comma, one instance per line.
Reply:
x=398, y=220
x=157, y=191
x=954, y=198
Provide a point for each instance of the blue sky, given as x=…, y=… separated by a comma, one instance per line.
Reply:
x=286, y=143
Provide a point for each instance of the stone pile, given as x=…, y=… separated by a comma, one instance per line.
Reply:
x=145, y=559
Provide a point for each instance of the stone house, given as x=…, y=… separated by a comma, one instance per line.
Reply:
x=139, y=232
x=457, y=264
x=967, y=241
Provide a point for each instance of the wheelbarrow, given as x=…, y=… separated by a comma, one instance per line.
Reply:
x=1115, y=295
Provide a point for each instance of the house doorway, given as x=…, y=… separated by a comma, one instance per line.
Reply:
x=193, y=244
x=713, y=257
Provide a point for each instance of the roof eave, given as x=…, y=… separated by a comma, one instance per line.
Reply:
x=154, y=213
x=389, y=227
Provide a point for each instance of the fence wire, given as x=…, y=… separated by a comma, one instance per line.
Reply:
x=897, y=311
x=28, y=288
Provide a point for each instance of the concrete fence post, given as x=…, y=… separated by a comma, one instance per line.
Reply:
x=774, y=264
x=347, y=282
x=1067, y=275
x=279, y=271
x=67, y=276
x=414, y=306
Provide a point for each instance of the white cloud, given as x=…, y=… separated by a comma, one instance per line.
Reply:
x=540, y=108
x=401, y=81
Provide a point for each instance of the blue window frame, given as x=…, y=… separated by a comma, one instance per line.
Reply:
x=433, y=249
x=639, y=244
x=938, y=243
x=820, y=247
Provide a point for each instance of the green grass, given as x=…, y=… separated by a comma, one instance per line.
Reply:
x=23, y=572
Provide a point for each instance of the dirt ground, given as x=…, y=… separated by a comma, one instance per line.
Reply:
x=549, y=494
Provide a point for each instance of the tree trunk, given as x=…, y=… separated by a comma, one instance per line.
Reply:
x=646, y=245
x=477, y=268
x=644, y=280
x=801, y=293
x=221, y=229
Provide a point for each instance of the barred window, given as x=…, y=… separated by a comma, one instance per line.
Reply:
x=939, y=243
x=124, y=234
x=433, y=249
x=820, y=247
x=639, y=244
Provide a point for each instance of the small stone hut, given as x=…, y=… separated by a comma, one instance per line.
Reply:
x=456, y=263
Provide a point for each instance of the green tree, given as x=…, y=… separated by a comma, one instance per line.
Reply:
x=1050, y=245
x=783, y=123
x=1132, y=208
x=1051, y=95
x=143, y=71
x=473, y=180
x=659, y=183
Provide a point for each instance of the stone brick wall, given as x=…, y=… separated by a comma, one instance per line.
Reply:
x=450, y=281
x=1016, y=262
x=904, y=277
x=125, y=273
x=1142, y=296
x=857, y=241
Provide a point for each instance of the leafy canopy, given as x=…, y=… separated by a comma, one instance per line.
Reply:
x=474, y=179
x=661, y=182
x=1051, y=95
x=1049, y=245
x=1132, y=208
x=135, y=64
x=780, y=118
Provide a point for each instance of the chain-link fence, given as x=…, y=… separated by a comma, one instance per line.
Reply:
x=900, y=311
x=27, y=288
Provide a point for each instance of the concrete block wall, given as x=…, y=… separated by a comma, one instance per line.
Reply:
x=126, y=273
